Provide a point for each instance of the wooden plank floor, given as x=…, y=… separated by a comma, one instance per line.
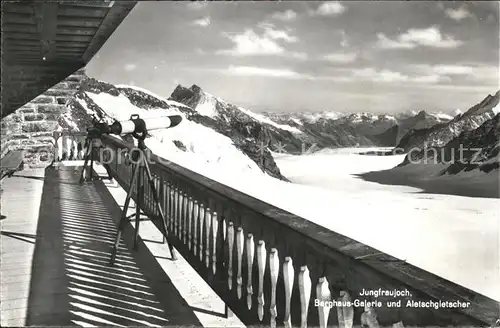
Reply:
x=55, y=245
x=207, y=306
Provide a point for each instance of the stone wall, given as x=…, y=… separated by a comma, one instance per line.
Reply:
x=30, y=128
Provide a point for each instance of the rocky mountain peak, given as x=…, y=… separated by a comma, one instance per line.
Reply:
x=196, y=89
x=187, y=96
x=485, y=106
x=422, y=114
x=440, y=134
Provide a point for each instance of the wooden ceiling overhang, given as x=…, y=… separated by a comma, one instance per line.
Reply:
x=43, y=42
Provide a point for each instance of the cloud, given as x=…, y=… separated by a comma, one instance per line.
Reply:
x=452, y=69
x=251, y=43
x=259, y=71
x=342, y=75
x=299, y=55
x=375, y=75
x=197, y=5
x=342, y=58
x=428, y=37
x=130, y=67
x=385, y=43
x=430, y=79
x=329, y=8
x=287, y=15
x=203, y=22
x=477, y=72
x=200, y=51
x=458, y=14
x=271, y=32
x=379, y=75
x=344, y=42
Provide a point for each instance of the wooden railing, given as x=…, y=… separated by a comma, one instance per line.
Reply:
x=69, y=146
x=274, y=268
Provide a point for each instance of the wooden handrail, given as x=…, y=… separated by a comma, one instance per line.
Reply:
x=273, y=267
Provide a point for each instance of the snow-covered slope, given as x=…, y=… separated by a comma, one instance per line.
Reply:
x=215, y=107
x=229, y=118
x=195, y=143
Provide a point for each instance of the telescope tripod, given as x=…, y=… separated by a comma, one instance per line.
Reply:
x=89, y=157
x=90, y=147
x=140, y=166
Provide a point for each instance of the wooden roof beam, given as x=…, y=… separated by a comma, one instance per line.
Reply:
x=114, y=17
x=46, y=21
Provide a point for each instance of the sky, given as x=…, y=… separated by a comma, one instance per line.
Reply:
x=291, y=56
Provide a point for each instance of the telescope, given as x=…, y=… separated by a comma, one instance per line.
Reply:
x=135, y=126
x=138, y=128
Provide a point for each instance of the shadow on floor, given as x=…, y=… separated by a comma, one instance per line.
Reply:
x=72, y=283
x=26, y=237
x=16, y=175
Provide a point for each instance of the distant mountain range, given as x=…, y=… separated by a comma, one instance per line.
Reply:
x=360, y=129
x=259, y=135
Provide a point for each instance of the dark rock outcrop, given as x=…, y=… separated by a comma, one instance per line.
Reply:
x=440, y=134
x=251, y=136
x=387, y=138
x=475, y=149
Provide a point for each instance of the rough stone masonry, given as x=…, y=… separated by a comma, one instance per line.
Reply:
x=31, y=127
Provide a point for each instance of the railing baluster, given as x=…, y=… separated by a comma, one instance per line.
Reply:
x=345, y=314
x=184, y=216
x=150, y=194
x=145, y=193
x=215, y=227
x=180, y=214
x=150, y=208
x=208, y=238
x=190, y=222
x=161, y=193
x=187, y=221
x=168, y=205
x=174, y=210
x=157, y=188
x=369, y=318
x=261, y=262
x=81, y=152
x=274, y=267
x=224, y=225
x=239, y=259
x=288, y=278
x=230, y=242
x=196, y=214
x=202, y=231
x=323, y=295
x=250, y=258
x=163, y=199
x=305, y=294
